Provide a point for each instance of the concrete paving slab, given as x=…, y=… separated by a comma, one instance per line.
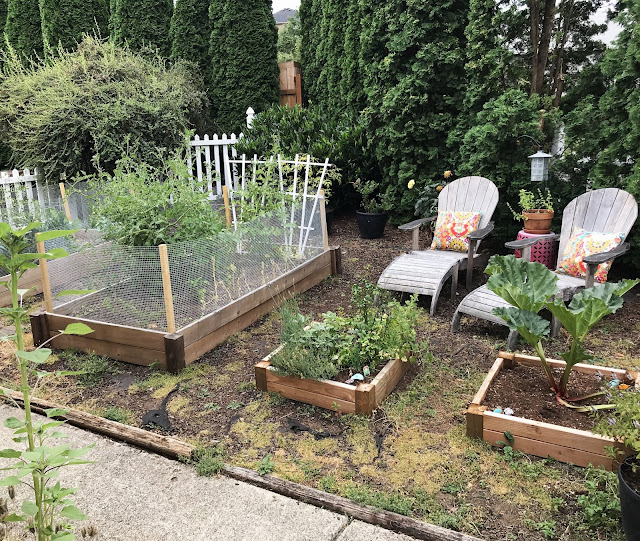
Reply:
x=132, y=495
x=361, y=531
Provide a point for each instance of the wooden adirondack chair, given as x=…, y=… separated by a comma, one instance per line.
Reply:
x=603, y=211
x=425, y=271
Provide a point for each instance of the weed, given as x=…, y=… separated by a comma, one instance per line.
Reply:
x=600, y=505
x=234, y=405
x=452, y=488
x=209, y=461
x=276, y=399
x=245, y=386
x=266, y=465
x=328, y=483
x=203, y=393
x=310, y=470
x=306, y=410
x=119, y=415
x=212, y=406
x=395, y=501
x=546, y=527
x=94, y=368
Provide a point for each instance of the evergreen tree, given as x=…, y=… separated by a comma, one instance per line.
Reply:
x=190, y=32
x=143, y=23
x=244, y=67
x=64, y=22
x=352, y=76
x=23, y=27
x=3, y=14
x=311, y=20
x=413, y=55
x=334, y=64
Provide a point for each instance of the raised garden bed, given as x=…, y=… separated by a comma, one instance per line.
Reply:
x=173, y=351
x=569, y=445
x=334, y=395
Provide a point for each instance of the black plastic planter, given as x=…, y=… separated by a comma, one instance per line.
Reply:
x=629, y=504
x=371, y=224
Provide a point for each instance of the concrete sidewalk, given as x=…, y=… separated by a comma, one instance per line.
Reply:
x=133, y=495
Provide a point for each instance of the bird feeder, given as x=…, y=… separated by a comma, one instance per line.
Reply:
x=540, y=166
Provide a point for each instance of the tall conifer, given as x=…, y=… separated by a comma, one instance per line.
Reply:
x=191, y=31
x=23, y=27
x=143, y=23
x=64, y=22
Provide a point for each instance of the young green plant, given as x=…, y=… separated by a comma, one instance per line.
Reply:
x=530, y=287
x=39, y=462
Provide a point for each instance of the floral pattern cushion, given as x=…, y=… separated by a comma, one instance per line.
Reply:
x=452, y=229
x=583, y=243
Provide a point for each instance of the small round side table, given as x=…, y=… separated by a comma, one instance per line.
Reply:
x=545, y=251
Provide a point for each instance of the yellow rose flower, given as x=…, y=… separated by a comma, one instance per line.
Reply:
x=447, y=173
x=439, y=188
x=411, y=184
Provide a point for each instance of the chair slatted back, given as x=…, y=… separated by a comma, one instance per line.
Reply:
x=608, y=210
x=470, y=194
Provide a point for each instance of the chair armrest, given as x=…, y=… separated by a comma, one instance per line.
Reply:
x=480, y=234
x=603, y=257
x=525, y=243
x=416, y=223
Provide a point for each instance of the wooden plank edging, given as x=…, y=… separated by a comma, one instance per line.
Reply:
x=177, y=449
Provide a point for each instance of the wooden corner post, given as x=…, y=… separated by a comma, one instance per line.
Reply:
x=323, y=221
x=63, y=193
x=166, y=288
x=174, y=352
x=227, y=206
x=44, y=274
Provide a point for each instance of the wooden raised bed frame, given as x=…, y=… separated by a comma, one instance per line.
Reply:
x=333, y=395
x=568, y=445
x=173, y=351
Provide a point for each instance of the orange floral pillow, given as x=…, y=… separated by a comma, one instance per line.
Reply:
x=452, y=229
x=583, y=243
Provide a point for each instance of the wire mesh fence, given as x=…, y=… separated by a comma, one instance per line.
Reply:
x=206, y=274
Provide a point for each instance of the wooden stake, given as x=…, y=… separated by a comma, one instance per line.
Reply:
x=166, y=287
x=67, y=211
x=323, y=221
x=227, y=206
x=44, y=274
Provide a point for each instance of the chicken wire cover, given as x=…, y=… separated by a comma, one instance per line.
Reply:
x=206, y=274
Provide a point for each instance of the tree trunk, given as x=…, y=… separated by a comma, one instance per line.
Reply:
x=558, y=57
x=541, y=45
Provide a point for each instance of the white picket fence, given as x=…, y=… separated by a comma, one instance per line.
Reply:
x=212, y=157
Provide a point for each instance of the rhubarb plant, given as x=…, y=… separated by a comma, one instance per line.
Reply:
x=37, y=465
x=530, y=287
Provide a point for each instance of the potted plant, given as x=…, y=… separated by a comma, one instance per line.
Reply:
x=373, y=217
x=536, y=211
x=623, y=424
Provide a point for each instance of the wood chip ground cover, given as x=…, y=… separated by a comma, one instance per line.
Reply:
x=411, y=457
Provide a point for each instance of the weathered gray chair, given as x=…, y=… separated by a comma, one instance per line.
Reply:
x=425, y=271
x=603, y=211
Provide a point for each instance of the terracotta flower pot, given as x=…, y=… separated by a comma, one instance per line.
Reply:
x=537, y=221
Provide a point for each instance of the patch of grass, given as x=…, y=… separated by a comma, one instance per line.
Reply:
x=209, y=461
x=276, y=399
x=328, y=483
x=177, y=403
x=120, y=415
x=245, y=386
x=452, y=488
x=95, y=367
x=390, y=501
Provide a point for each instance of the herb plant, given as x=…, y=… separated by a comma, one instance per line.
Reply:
x=530, y=202
x=380, y=330
x=530, y=287
x=623, y=423
x=48, y=513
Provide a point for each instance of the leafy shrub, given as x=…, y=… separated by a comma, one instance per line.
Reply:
x=134, y=206
x=601, y=504
x=380, y=330
x=293, y=130
x=81, y=109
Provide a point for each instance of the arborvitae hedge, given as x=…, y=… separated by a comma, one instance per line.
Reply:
x=3, y=14
x=143, y=23
x=413, y=54
x=190, y=32
x=23, y=27
x=351, y=85
x=311, y=20
x=244, y=66
x=64, y=22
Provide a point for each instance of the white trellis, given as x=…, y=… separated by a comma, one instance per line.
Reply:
x=300, y=192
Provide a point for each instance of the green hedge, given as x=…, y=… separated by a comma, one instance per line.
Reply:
x=90, y=106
